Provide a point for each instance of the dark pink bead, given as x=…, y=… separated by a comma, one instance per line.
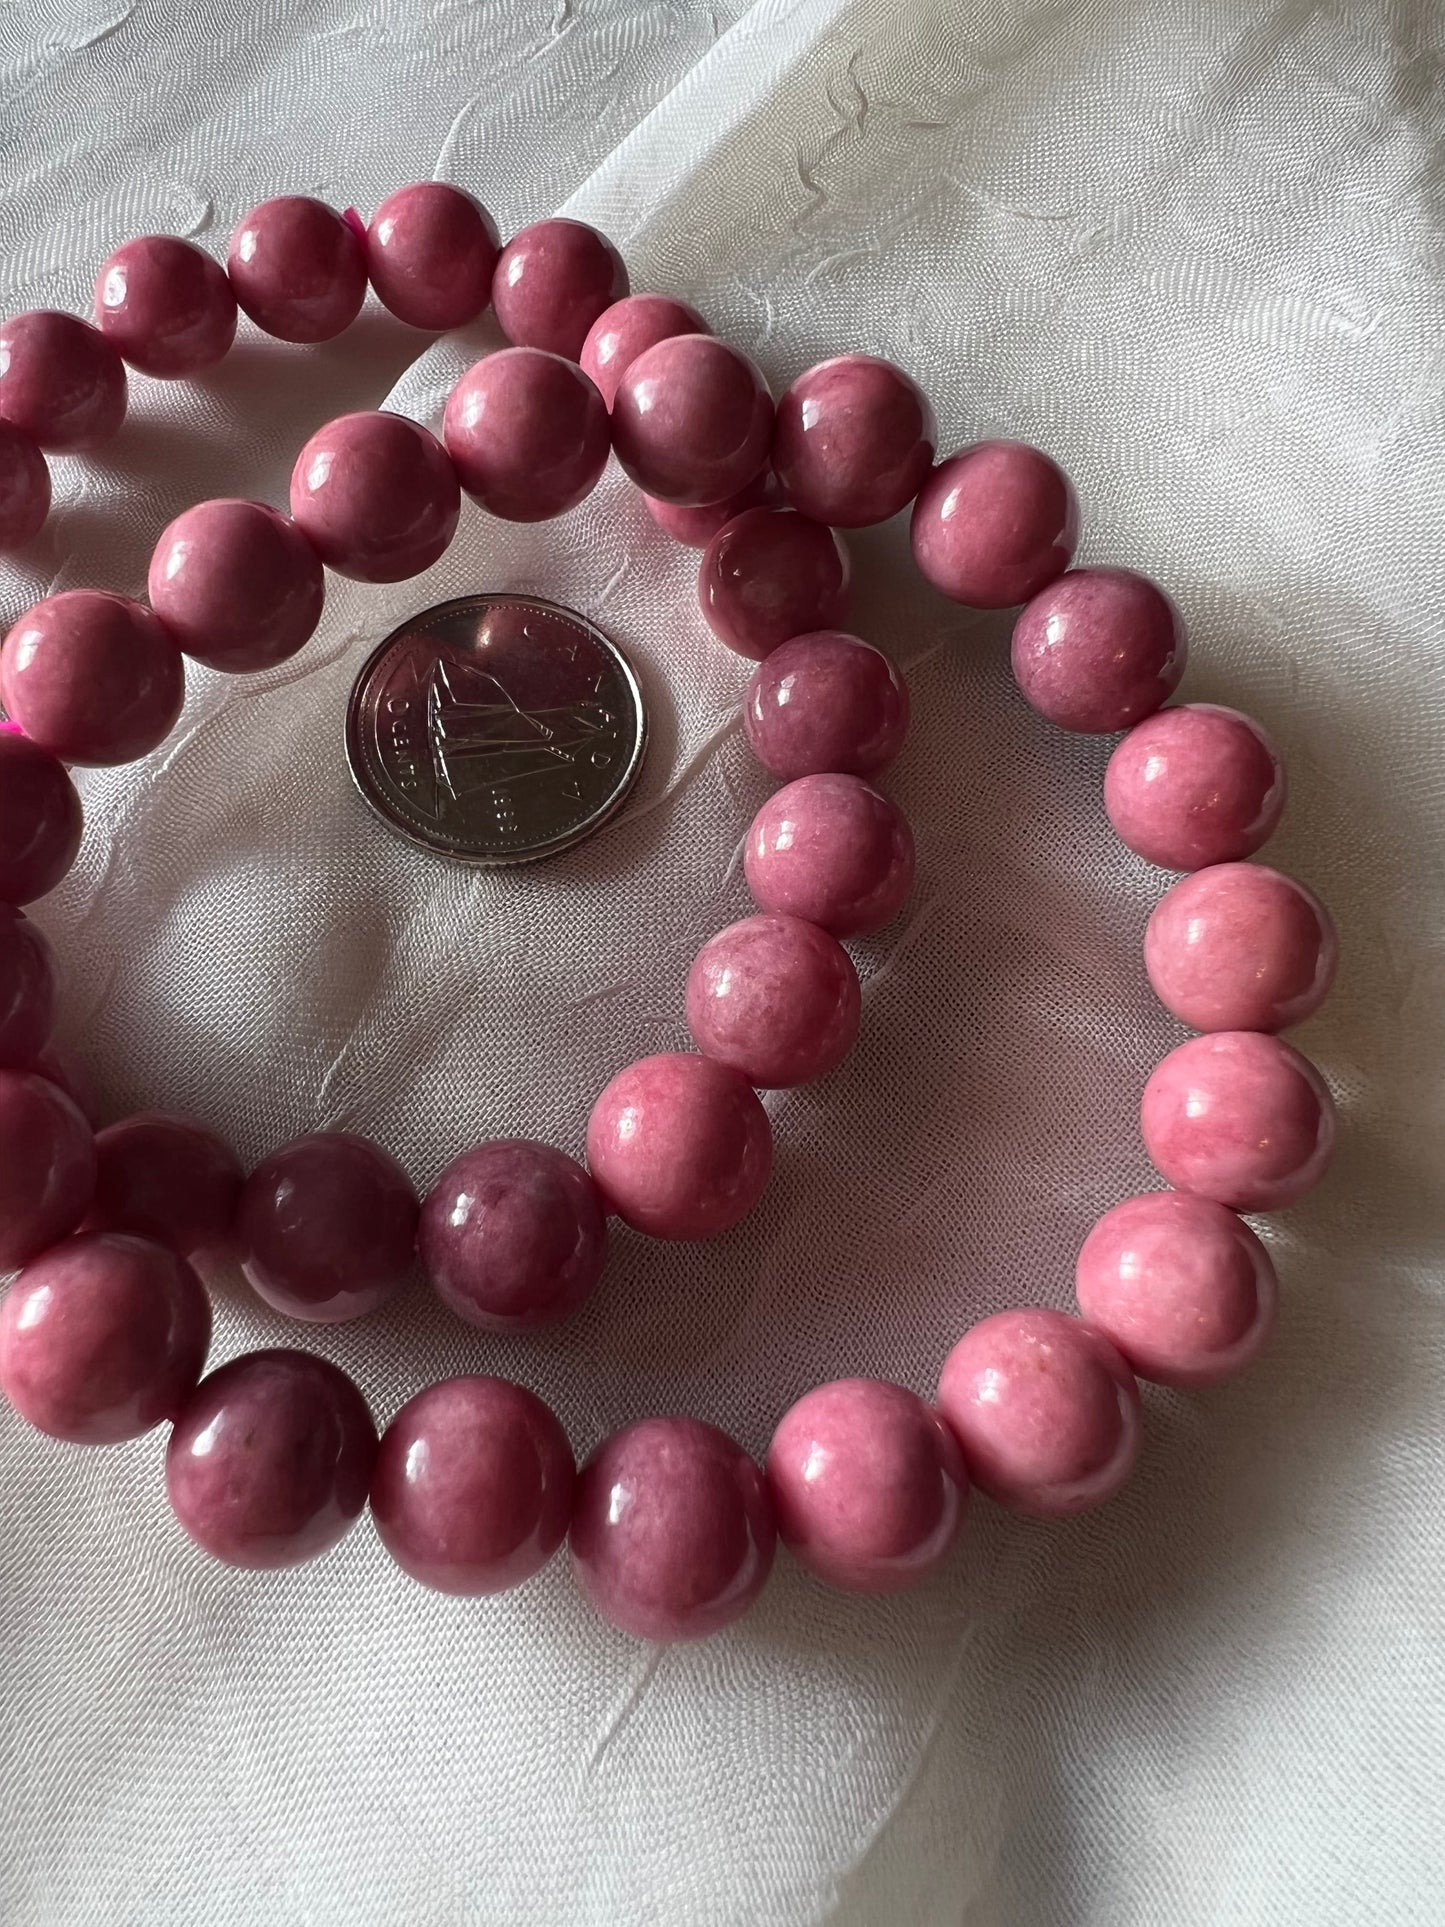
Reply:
x=165, y=306
x=854, y=441
x=61, y=382
x=40, y=820
x=833, y=851
x=679, y=1146
x=430, y=251
x=552, y=281
x=1195, y=785
x=1241, y=1118
x=775, y=998
x=528, y=434
x=327, y=1227
x=92, y=677
x=513, y=1234
x=672, y=1531
x=1099, y=650
x=823, y=703
x=270, y=1460
x=472, y=1491
x=102, y=1337
x=168, y=1179
x=1181, y=1285
x=47, y=1166
x=1240, y=947
x=297, y=269
x=237, y=584
x=995, y=524
x=691, y=420
x=24, y=487
x=770, y=574
x=27, y=990
x=627, y=329
x=376, y=496
x=695, y=527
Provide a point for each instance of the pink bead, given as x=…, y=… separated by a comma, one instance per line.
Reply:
x=513, y=1234
x=376, y=496
x=1099, y=650
x=627, y=329
x=833, y=851
x=1240, y=947
x=551, y=283
x=297, y=269
x=92, y=677
x=771, y=574
x=691, y=420
x=327, y=1227
x=528, y=434
x=40, y=820
x=430, y=251
x=1195, y=785
x=168, y=1179
x=472, y=1491
x=102, y=1337
x=165, y=306
x=995, y=524
x=237, y=584
x=868, y=1485
x=1045, y=1409
x=47, y=1166
x=679, y=1146
x=61, y=382
x=854, y=441
x=696, y=527
x=24, y=487
x=672, y=1530
x=27, y=990
x=1182, y=1287
x=824, y=703
x=270, y=1459
x=775, y=998
x=1241, y=1118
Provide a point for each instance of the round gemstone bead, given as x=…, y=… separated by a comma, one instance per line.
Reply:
x=1180, y=1285
x=376, y=496
x=1099, y=650
x=40, y=820
x=775, y=998
x=47, y=1166
x=472, y=1491
x=1239, y=1117
x=833, y=851
x=297, y=269
x=627, y=329
x=1045, y=1409
x=61, y=382
x=327, y=1227
x=868, y=1485
x=679, y=1146
x=696, y=526
x=27, y=990
x=528, y=434
x=166, y=307
x=513, y=1234
x=102, y=1337
x=430, y=252
x=672, y=1530
x=770, y=574
x=551, y=283
x=691, y=420
x=1240, y=947
x=270, y=1459
x=237, y=584
x=854, y=441
x=168, y=1179
x=1195, y=785
x=825, y=702
x=92, y=677
x=24, y=487
x=995, y=524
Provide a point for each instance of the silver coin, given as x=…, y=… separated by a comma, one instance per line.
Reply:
x=495, y=729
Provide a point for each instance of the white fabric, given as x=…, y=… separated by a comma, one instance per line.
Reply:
x=1195, y=249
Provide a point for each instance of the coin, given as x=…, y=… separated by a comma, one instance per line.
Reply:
x=495, y=729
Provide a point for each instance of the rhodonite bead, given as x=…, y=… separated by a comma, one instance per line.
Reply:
x=237, y=585
x=528, y=434
x=24, y=487
x=696, y=526
x=61, y=382
x=833, y=851
x=854, y=441
x=27, y=990
x=994, y=524
x=40, y=820
x=297, y=269
x=627, y=329
x=166, y=307
x=552, y=281
x=376, y=496
x=168, y=1179
x=430, y=253
x=775, y=998
x=93, y=677
x=770, y=574
x=1195, y=785
x=47, y=1166
x=825, y=702
x=1099, y=650
x=1240, y=947
x=691, y=420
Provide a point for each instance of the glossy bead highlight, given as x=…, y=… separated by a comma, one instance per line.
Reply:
x=166, y=307
x=92, y=677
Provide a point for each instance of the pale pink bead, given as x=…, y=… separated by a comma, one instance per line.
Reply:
x=995, y=524
x=825, y=702
x=691, y=420
x=1099, y=650
x=1181, y=1285
x=679, y=1146
x=24, y=487
x=696, y=526
x=376, y=496
x=868, y=1485
x=854, y=441
x=833, y=851
x=40, y=820
x=297, y=269
x=168, y=1179
x=430, y=252
x=672, y=1530
x=1045, y=1409
x=47, y=1166
x=770, y=574
x=627, y=329
x=237, y=584
x=1239, y=1117
x=61, y=382
x=1195, y=785
x=776, y=998
x=27, y=990
x=165, y=306
x=92, y=677
x=1240, y=947
x=528, y=434
x=552, y=280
